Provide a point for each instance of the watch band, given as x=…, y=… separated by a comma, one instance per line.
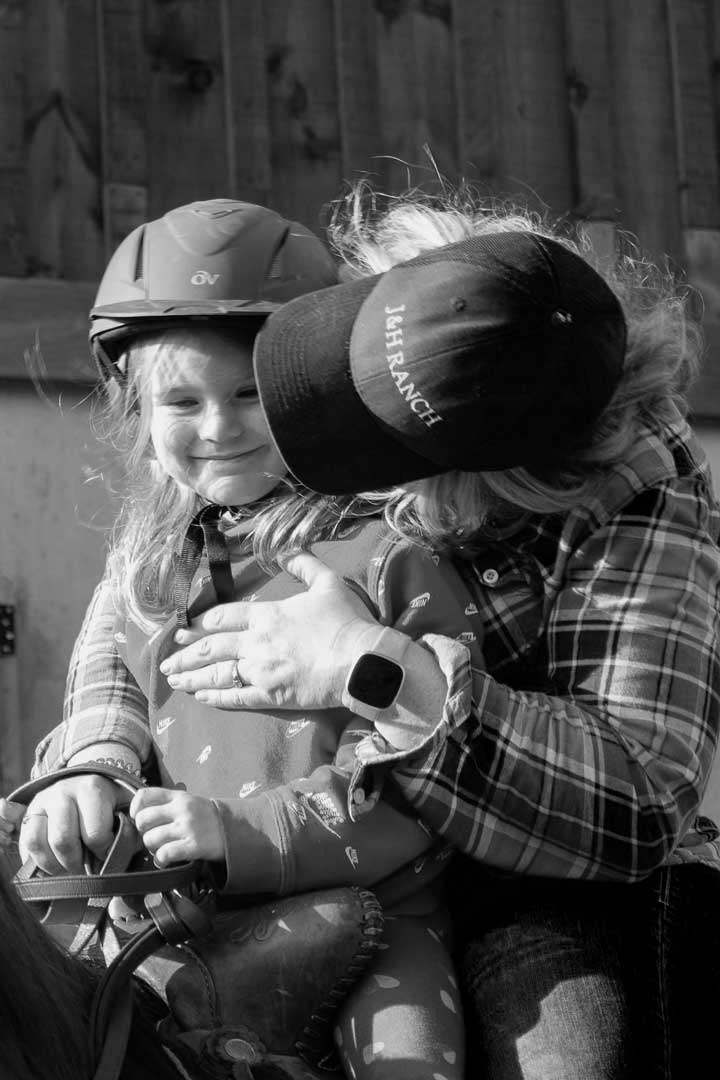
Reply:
x=391, y=643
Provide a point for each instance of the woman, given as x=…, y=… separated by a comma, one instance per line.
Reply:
x=579, y=769
x=576, y=767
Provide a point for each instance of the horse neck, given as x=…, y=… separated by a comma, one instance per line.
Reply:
x=45, y=1002
x=44, y=999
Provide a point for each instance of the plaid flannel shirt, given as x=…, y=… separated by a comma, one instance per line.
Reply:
x=583, y=748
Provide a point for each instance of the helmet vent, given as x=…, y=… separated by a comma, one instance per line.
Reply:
x=138, y=272
x=275, y=270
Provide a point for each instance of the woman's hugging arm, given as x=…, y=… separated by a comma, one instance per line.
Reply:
x=600, y=776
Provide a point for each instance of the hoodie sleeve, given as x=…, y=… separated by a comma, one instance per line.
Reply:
x=303, y=835
x=103, y=703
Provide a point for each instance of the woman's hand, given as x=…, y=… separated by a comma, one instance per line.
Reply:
x=286, y=654
x=67, y=817
x=11, y=814
x=178, y=827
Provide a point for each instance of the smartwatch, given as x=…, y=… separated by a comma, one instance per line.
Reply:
x=376, y=677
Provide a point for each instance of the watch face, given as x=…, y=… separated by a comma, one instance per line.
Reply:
x=375, y=680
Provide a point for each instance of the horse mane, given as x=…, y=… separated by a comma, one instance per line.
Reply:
x=45, y=1002
x=45, y=998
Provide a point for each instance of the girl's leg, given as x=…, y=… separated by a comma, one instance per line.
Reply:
x=403, y=1021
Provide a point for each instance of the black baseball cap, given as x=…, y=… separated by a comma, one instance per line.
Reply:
x=501, y=350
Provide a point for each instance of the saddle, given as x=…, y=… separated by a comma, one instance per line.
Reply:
x=245, y=992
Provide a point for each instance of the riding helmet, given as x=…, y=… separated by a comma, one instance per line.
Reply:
x=216, y=259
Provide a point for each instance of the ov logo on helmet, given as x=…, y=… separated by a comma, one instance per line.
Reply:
x=202, y=277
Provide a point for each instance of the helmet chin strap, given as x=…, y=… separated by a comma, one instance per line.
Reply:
x=203, y=534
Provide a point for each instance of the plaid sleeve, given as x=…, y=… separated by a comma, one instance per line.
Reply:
x=103, y=703
x=600, y=777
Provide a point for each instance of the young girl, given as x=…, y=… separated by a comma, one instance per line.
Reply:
x=209, y=514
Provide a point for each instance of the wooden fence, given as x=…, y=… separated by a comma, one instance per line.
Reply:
x=114, y=111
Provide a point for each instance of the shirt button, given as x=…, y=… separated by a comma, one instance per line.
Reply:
x=358, y=796
x=490, y=576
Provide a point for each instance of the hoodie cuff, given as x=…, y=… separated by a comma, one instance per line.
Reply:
x=253, y=845
x=437, y=687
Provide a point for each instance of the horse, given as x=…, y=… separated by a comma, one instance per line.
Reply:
x=206, y=1011
x=46, y=998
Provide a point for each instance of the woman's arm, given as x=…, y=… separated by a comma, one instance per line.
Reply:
x=597, y=779
x=600, y=777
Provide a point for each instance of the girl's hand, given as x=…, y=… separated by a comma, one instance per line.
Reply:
x=178, y=827
x=286, y=654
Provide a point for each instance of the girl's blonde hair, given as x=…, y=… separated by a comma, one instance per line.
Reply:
x=443, y=512
x=155, y=510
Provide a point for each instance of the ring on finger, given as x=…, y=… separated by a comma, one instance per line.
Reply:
x=35, y=813
x=237, y=679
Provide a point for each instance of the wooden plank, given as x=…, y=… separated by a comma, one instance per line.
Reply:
x=478, y=89
x=603, y=239
x=416, y=86
x=124, y=76
x=53, y=313
x=246, y=100
x=589, y=77
x=714, y=36
x=695, y=38
x=303, y=108
x=695, y=120
x=125, y=206
x=435, y=85
x=64, y=227
x=401, y=161
x=645, y=137
x=12, y=151
x=511, y=69
x=702, y=262
x=533, y=52
x=358, y=92
x=185, y=111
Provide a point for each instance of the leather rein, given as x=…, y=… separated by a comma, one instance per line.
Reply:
x=83, y=899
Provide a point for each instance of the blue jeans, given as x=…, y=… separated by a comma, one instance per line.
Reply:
x=678, y=988
x=590, y=982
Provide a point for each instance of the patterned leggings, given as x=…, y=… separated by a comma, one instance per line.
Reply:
x=403, y=1020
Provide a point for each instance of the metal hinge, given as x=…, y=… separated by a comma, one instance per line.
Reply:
x=7, y=630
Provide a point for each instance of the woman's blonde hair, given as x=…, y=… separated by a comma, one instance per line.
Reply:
x=443, y=512
x=664, y=341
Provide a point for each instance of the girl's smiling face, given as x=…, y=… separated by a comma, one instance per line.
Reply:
x=206, y=423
